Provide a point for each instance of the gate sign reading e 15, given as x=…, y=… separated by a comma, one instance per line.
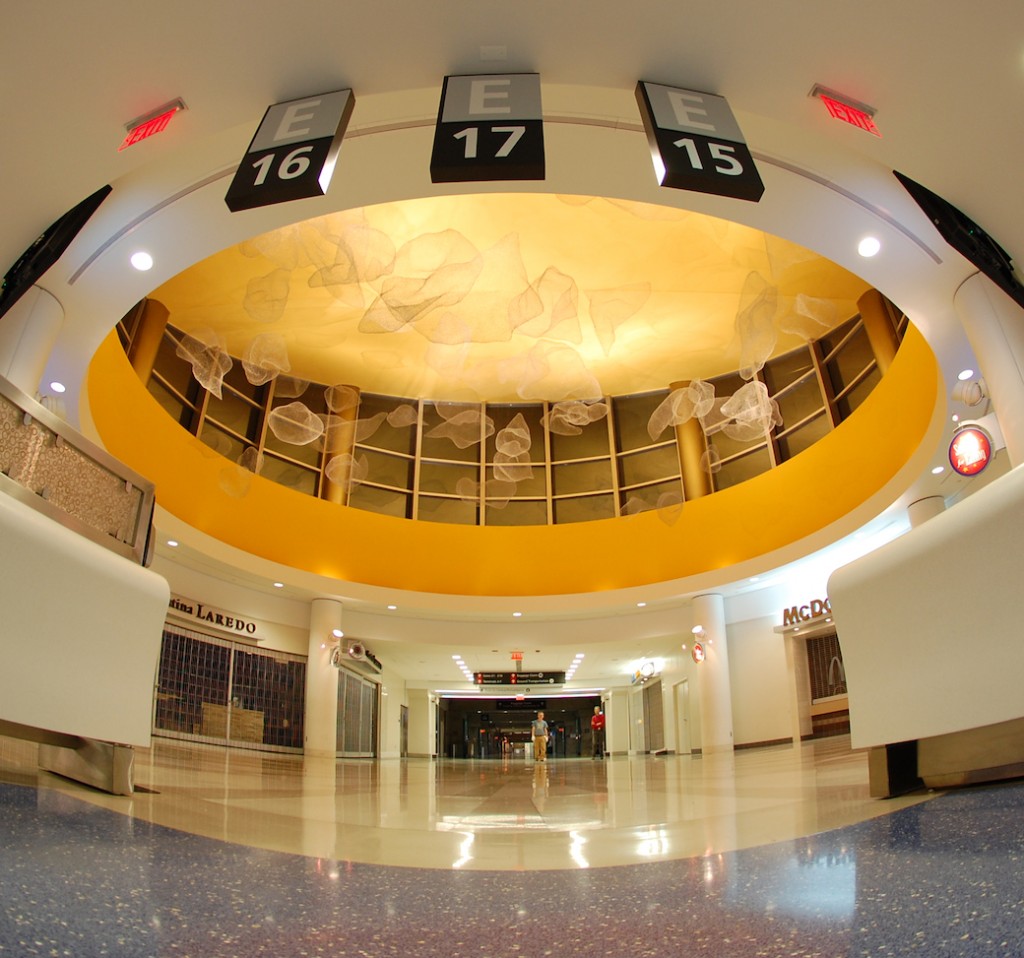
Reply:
x=696, y=143
x=489, y=128
x=293, y=153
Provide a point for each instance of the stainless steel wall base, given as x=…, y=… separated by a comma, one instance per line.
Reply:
x=102, y=765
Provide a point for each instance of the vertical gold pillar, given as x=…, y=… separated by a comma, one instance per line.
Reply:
x=149, y=333
x=340, y=440
x=692, y=445
x=876, y=314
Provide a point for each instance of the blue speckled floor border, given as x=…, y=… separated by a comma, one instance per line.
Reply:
x=942, y=878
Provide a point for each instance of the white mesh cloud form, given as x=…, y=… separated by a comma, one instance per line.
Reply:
x=295, y=423
x=750, y=413
x=236, y=480
x=755, y=324
x=204, y=349
x=669, y=505
x=512, y=451
x=465, y=426
x=347, y=470
x=569, y=417
x=692, y=401
x=265, y=358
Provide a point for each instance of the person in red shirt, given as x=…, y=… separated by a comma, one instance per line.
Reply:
x=597, y=727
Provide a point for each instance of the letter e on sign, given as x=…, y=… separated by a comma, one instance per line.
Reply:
x=294, y=152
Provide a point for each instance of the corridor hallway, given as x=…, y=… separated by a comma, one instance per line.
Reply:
x=761, y=852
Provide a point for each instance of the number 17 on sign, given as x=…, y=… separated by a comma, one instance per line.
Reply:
x=489, y=128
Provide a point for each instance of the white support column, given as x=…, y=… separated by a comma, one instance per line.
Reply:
x=422, y=730
x=28, y=332
x=616, y=718
x=994, y=325
x=713, y=675
x=321, y=718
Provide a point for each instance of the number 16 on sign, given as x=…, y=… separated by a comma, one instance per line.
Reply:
x=293, y=154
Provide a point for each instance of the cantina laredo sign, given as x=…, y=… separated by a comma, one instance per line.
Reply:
x=228, y=621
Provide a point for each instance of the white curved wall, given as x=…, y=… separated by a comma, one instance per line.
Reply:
x=80, y=632
x=930, y=624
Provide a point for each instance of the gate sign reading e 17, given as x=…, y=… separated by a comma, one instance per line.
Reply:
x=489, y=127
x=696, y=143
x=293, y=153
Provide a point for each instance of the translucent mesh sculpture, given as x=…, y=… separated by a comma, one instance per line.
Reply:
x=512, y=451
x=499, y=492
x=810, y=317
x=210, y=362
x=711, y=461
x=403, y=416
x=236, y=480
x=610, y=308
x=288, y=387
x=341, y=398
x=266, y=357
x=295, y=423
x=750, y=413
x=267, y=296
x=548, y=307
x=465, y=426
x=568, y=418
x=694, y=400
x=431, y=271
x=362, y=255
x=347, y=470
x=755, y=324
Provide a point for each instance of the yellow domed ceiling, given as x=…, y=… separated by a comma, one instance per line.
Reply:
x=512, y=297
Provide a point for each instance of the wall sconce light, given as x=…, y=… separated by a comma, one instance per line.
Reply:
x=698, y=631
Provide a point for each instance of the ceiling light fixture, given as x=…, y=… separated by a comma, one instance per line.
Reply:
x=58, y=387
x=964, y=374
x=278, y=585
x=173, y=543
x=938, y=470
x=869, y=246
x=516, y=615
x=142, y=261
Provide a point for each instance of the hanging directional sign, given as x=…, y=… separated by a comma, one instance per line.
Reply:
x=489, y=128
x=293, y=153
x=696, y=143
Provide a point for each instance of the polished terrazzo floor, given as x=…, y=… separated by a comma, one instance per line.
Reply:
x=773, y=852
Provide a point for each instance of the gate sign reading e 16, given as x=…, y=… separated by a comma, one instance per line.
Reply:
x=489, y=128
x=293, y=153
x=696, y=143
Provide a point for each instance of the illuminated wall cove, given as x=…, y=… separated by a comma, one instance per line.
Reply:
x=502, y=464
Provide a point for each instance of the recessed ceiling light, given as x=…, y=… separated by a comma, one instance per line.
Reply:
x=956, y=418
x=869, y=246
x=965, y=374
x=640, y=605
x=337, y=633
x=278, y=585
x=58, y=387
x=938, y=470
x=173, y=543
x=458, y=658
x=392, y=607
x=142, y=261
x=516, y=615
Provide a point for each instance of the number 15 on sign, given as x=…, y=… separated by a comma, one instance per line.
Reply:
x=710, y=156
